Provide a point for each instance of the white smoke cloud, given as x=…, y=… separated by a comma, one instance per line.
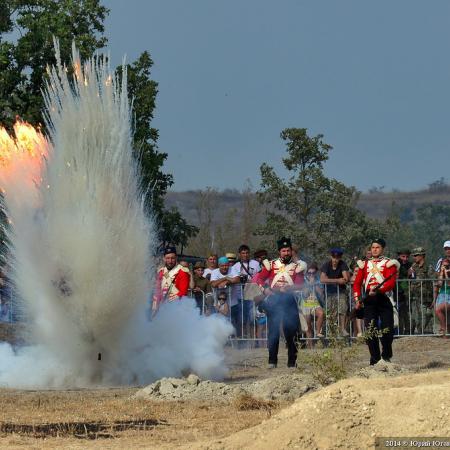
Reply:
x=177, y=339
x=82, y=254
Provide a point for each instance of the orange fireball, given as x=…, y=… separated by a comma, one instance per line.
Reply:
x=21, y=156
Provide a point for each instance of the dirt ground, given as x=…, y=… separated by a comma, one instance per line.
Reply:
x=261, y=408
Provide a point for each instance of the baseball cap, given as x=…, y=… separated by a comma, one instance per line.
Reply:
x=223, y=260
x=447, y=244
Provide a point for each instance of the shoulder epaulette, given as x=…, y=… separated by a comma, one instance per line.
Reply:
x=301, y=266
x=266, y=264
x=393, y=262
x=360, y=263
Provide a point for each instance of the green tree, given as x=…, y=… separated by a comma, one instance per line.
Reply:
x=226, y=220
x=143, y=90
x=251, y=216
x=432, y=228
x=175, y=230
x=205, y=208
x=316, y=211
x=23, y=64
x=399, y=233
x=439, y=186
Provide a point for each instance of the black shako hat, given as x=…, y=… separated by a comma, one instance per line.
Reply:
x=379, y=241
x=170, y=249
x=283, y=243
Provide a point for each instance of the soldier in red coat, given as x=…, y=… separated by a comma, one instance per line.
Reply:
x=172, y=280
x=377, y=277
x=280, y=278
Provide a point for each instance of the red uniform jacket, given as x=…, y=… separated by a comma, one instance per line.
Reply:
x=172, y=284
x=372, y=272
x=277, y=274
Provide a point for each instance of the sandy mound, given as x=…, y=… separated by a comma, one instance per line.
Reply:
x=382, y=369
x=350, y=413
x=282, y=387
x=190, y=388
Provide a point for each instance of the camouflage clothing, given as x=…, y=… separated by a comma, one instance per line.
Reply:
x=402, y=282
x=421, y=294
x=204, y=299
x=401, y=297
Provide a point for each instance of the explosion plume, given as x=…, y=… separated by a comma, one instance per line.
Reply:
x=82, y=247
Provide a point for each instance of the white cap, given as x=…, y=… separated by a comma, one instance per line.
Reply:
x=447, y=244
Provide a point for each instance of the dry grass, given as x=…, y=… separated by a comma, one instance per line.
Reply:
x=80, y=430
x=69, y=418
x=246, y=402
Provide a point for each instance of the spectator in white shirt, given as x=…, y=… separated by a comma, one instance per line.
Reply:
x=226, y=278
x=211, y=264
x=246, y=268
x=447, y=255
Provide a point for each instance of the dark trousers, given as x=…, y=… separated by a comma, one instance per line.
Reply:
x=235, y=319
x=403, y=314
x=281, y=309
x=199, y=302
x=379, y=316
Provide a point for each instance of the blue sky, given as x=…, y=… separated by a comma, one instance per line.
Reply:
x=373, y=77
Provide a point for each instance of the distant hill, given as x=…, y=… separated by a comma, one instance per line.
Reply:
x=376, y=204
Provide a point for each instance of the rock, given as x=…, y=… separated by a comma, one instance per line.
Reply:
x=166, y=387
x=193, y=379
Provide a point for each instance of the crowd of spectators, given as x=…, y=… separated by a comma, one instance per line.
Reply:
x=220, y=284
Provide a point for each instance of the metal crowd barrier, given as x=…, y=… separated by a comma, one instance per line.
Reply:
x=415, y=318
x=10, y=310
x=200, y=297
x=416, y=301
x=250, y=324
x=412, y=298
